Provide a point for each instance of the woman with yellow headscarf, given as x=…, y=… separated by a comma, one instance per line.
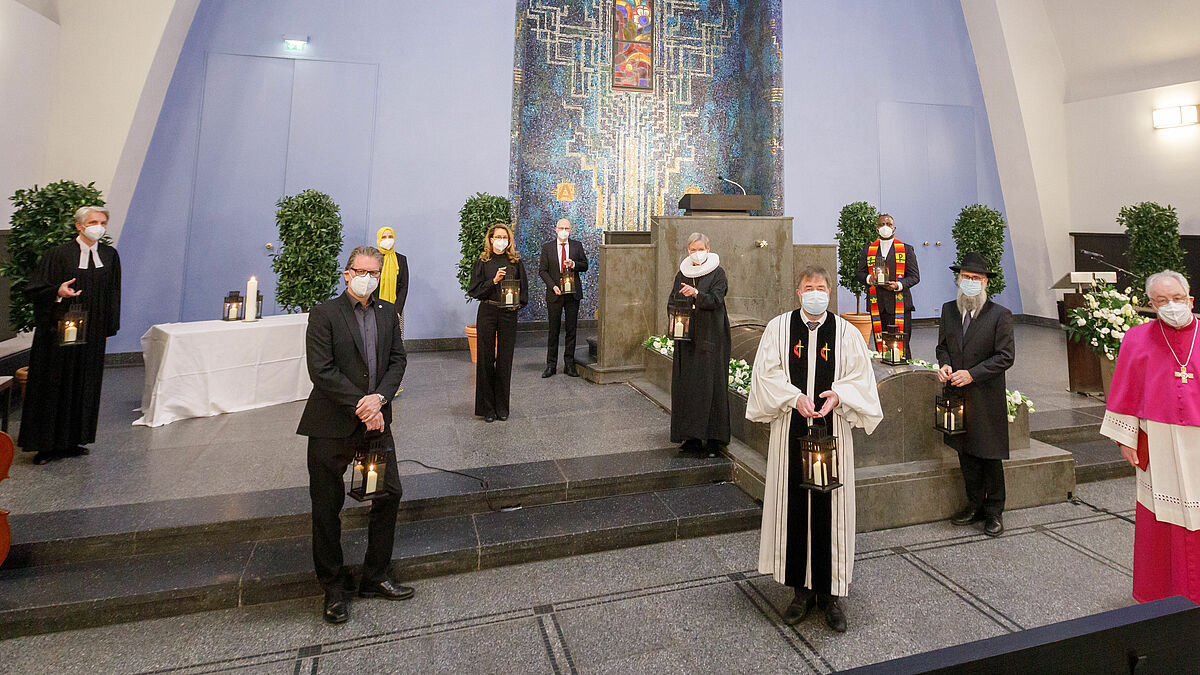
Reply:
x=393, y=279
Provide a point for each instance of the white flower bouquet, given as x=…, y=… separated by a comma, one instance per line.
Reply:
x=739, y=370
x=1107, y=314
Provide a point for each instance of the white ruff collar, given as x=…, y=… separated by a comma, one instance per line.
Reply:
x=696, y=271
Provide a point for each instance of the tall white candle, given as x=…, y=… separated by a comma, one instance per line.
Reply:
x=679, y=326
x=372, y=479
x=819, y=472
x=71, y=332
x=251, y=299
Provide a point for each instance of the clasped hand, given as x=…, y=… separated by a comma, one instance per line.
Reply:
x=369, y=411
x=806, y=407
x=957, y=378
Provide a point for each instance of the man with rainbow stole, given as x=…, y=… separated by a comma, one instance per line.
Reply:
x=888, y=267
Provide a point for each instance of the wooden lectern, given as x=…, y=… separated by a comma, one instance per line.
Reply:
x=701, y=205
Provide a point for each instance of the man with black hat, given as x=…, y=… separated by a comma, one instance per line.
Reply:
x=975, y=347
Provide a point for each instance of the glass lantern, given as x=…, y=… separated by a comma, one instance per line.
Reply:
x=233, y=307
x=72, y=327
x=894, y=353
x=510, y=293
x=948, y=412
x=679, y=321
x=566, y=282
x=819, y=461
x=258, y=309
x=368, y=469
x=879, y=275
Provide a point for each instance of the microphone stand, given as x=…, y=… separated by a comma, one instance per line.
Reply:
x=1100, y=259
x=729, y=181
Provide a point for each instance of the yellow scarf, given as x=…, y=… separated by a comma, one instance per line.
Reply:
x=391, y=269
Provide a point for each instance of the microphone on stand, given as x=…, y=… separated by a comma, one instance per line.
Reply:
x=1100, y=259
x=729, y=181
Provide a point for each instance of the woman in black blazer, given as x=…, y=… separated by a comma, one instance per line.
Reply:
x=496, y=321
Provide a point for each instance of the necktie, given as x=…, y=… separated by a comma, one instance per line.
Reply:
x=812, y=325
x=563, y=261
x=966, y=322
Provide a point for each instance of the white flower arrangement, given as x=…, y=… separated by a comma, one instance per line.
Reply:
x=1107, y=314
x=739, y=370
x=1012, y=397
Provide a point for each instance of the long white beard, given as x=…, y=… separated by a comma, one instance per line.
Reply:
x=970, y=304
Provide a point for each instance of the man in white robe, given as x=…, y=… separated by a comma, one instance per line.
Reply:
x=1153, y=413
x=812, y=368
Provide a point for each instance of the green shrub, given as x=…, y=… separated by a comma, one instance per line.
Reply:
x=1153, y=240
x=980, y=229
x=42, y=219
x=478, y=214
x=310, y=235
x=855, y=230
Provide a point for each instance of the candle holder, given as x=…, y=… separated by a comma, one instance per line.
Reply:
x=819, y=461
x=258, y=309
x=510, y=293
x=566, y=282
x=894, y=353
x=232, y=310
x=368, y=469
x=679, y=321
x=72, y=327
x=948, y=412
x=879, y=275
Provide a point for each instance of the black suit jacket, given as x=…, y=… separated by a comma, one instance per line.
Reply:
x=986, y=351
x=338, y=367
x=548, y=265
x=401, y=282
x=912, y=276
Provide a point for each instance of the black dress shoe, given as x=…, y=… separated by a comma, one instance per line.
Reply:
x=570, y=371
x=42, y=457
x=834, y=616
x=993, y=526
x=502, y=418
x=801, y=604
x=967, y=516
x=548, y=371
x=387, y=589
x=691, y=448
x=489, y=418
x=77, y=451
x=337, y=608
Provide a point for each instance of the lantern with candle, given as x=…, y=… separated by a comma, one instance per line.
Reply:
x=258, y=310
x=679, y=320
x=894, y=353
x=72, y=326
x=948, y=412
x=233, y=307
x=879, y=275
x=566, y=282
x=368, y=468
x=819, y=460
x=510, y=293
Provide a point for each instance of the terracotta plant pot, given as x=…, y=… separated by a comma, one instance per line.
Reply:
x=21, y=377
x=472, y=335
x=861, y=321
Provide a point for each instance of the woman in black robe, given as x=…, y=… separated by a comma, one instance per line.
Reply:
x=62, y=397
x=700, y=369
x=495, y=323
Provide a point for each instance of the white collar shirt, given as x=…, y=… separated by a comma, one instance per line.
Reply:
x=84, y=249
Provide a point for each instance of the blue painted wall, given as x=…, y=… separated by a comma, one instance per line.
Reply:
x=844, y=61
x=443, y=92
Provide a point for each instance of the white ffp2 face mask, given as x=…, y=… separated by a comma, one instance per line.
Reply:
x=498, y=245
x=886, y=232
x=1176, y=314
x=387, y=243
x=814, y=302
x=698, y=257
x=563, y=234
x=93, y=232
x=364, y=286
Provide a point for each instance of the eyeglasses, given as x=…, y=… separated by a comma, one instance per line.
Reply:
x=358, y=273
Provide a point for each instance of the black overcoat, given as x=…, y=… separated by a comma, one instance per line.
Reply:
x=986, y=352
x=700, y=369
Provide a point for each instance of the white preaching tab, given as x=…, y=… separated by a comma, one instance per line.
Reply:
x=83, y=253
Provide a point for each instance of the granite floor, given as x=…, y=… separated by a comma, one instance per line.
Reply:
x=693, y=605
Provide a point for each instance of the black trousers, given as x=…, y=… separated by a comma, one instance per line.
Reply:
x=496, y=338
x=555, y=306
x=984, y=482
x=327, y=462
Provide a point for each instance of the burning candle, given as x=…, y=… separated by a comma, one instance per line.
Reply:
x=233, y=311
x=508, y=297
x=567, y=284
x=372, y=479
x=818, y=470
x=71, y=332
x=678, y=326
x=251, y=294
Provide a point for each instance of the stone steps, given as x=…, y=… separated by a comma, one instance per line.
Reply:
x=115, y=564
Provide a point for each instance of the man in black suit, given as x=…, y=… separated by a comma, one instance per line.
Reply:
x=899, y=263
x=975, y=347
x=356, y=360
x=560, y=266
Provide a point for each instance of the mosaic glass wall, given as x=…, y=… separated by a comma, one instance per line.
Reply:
x=633, y=44
x=610, y=159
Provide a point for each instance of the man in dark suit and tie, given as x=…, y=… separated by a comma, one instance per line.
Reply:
x=356, y=360
x=975, y=347
x=889, y=295
x=560, y=266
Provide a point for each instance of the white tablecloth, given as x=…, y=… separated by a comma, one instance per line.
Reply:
x=205, y=368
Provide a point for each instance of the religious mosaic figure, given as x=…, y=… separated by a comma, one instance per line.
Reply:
x=1153, y=413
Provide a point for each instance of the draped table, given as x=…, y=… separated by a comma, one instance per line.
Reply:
x=205, y=368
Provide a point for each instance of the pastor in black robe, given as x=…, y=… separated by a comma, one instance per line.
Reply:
x=62, y=396
x=700, y=369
